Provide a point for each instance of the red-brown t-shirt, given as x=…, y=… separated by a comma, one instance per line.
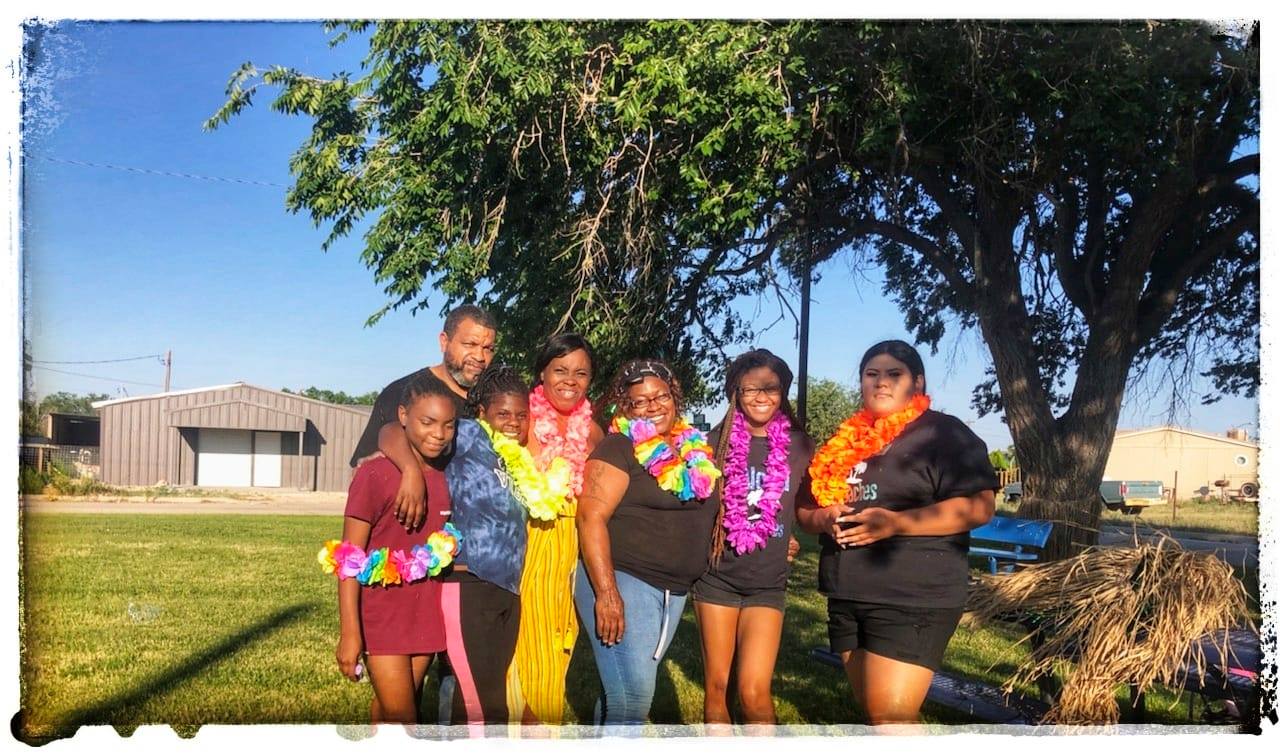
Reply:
x=402, y=619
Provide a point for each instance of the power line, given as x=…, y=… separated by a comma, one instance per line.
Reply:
x=102, y=361
x=166, y=173
x=98, y=377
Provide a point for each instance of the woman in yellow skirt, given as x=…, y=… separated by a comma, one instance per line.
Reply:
x=562, y=429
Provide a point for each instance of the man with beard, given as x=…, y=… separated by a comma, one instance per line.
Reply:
x=467, y=344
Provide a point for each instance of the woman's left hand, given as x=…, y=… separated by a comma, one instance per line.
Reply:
x=793, y=549
x=875, y=524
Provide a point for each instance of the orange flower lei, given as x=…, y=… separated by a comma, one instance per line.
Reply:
x=858, y=438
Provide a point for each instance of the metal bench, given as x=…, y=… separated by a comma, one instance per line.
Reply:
x=1004, y=542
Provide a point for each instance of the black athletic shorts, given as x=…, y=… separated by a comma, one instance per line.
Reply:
x=716, y=592
x=916, y=635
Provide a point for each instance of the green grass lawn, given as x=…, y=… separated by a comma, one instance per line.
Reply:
x=1191, y=515
x=186, y=620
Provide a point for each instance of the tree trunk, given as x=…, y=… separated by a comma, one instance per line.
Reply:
x=1062, y=459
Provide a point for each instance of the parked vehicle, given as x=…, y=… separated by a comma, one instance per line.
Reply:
x=1125, y=496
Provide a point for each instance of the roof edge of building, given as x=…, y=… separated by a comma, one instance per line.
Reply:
x=238, y=383
x=1185, y=431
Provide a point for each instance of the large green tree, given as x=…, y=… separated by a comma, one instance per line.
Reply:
x=1082, y=194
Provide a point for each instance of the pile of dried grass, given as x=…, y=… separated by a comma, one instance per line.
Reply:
x=1125, y=615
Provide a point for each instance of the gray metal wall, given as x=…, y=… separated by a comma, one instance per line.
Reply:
x=140, y=448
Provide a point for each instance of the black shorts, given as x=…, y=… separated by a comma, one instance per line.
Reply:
x=915, y=635
x=715, y=592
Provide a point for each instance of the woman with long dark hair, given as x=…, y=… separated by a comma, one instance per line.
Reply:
x=895, y=493
x=741, y=598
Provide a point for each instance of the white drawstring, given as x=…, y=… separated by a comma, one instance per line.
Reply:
x=666, y=614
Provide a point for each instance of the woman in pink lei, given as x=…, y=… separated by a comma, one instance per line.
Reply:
x=563, y=436
x=741, y=598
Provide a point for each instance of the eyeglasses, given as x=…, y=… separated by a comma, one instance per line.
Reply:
x=640, y=404
x=751, y=393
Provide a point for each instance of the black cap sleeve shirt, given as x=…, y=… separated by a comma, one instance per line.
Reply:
x=765, y=569
x=935, y=458
x=653, y=535
x=386, y=409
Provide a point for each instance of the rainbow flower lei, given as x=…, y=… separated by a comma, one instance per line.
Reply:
x=384, y=567
x=689, y=475
x=743, y=534
x=543, y=495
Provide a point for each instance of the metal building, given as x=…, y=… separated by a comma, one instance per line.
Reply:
x=234, y=435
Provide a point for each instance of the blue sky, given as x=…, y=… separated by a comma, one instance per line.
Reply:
x=120, y=263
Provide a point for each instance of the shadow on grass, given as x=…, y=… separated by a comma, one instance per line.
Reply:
x=105, y=711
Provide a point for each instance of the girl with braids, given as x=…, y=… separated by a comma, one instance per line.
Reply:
x=562, y=437
x=895, y=492
x=644, y=523
x=388, y=604
x=740, y=599
x=494, y=488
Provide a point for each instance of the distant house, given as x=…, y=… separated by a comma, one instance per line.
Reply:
x=1199, y=458
x=235, y=435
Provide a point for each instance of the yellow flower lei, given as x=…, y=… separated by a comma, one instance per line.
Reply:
x=543, y=495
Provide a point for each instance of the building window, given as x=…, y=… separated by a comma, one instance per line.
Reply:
x=1242, y=461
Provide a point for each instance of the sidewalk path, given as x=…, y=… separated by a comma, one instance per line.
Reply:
x=282, y=504
x=1238, y=551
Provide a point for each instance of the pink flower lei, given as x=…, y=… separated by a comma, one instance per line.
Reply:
x=571, y=446
x=742, y=534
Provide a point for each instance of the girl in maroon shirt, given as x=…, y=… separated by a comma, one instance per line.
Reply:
x=398, y=626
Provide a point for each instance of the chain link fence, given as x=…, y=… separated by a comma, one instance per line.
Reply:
x=74, y=460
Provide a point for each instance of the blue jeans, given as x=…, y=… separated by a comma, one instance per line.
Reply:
x=629, y=669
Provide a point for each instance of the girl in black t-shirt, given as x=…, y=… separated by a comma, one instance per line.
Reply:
x=895, y=493
x=740, y=600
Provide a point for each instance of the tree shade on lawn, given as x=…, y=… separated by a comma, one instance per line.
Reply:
x=200, y=619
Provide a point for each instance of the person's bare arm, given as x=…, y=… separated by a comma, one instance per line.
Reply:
x=951, y=516
x=602, y=489
x=594, y=436
x=818, y=520
x=350, y=639
x=411, y=498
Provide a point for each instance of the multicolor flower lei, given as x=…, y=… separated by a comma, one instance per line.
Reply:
x=571, y=446
x=384, y=567
x=689, y=475
x=543, y=495
x=857, y=439
x=743, y=534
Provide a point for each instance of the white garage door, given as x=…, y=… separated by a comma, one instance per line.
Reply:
x=226, y=458
x=266, y=459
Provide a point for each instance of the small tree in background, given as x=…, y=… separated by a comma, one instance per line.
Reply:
x=335, y=396
x=829, y=404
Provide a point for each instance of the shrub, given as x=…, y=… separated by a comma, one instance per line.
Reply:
x=31, y=481
x=66, y=484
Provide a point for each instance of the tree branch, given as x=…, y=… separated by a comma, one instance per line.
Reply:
x=1162, y=295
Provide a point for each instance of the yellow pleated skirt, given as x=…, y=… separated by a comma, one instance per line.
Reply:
x=548, y=623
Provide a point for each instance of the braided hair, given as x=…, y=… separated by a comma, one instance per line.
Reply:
x=498, y=379
x=760, y=357
x=633, y=373
x=423, y=385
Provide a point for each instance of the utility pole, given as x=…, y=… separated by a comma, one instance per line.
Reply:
x=168, y=367
x=802, y=394
x=806, y=273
